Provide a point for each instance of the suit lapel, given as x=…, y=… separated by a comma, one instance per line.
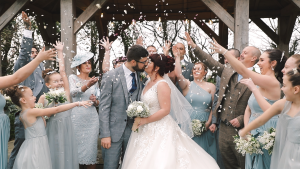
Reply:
x=124, y=83
x=226, y=75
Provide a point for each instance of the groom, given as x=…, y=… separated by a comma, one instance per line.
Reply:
x=119, y=87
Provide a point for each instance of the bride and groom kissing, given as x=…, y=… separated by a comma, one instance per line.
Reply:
x=159, y=142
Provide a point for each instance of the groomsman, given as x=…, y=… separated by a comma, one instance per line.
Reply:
x=232, y=101
x=35, y=82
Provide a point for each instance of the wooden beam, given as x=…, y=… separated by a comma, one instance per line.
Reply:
x=87, y=14
x=220, y=12
x=0, y=55
x=297, y=2
x=207, y=30
x=67, y=8
x=223, y=34
x=285, y=30
x=256, y=4
x=266, y=29
x=11, y=12
x=241, y=24
x=289, y=9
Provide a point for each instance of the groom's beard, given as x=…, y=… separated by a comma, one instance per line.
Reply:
x=136, y=68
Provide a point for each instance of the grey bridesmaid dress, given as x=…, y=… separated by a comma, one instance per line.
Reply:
x=34, y=152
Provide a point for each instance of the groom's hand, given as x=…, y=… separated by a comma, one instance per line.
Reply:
x=106, y=142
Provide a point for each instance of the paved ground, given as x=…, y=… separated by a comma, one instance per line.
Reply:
x=99, y=165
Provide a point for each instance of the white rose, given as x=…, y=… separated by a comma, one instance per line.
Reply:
x=130, y=107
x=139, y=109
x=273, y=134
x=78, y=84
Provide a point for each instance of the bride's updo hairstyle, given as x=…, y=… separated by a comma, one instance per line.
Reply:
x=165, y=63
x=47, y=73
x=15, y=92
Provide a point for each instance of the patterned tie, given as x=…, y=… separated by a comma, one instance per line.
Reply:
x=133, y=86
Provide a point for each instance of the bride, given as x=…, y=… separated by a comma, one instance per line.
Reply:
x=160, y=143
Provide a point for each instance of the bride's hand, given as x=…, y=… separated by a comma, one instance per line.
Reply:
x=142, y=121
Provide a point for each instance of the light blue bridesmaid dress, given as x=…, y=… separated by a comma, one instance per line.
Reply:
x=286, y=151
x=257, y=161
x=201, y=102
x=62, y=141
x=4, y=133
x=34, y=152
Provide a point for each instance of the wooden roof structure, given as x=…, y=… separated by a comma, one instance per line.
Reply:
x=232, y=14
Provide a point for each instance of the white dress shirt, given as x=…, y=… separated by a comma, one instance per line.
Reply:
x=240, y=77
x=128, y=77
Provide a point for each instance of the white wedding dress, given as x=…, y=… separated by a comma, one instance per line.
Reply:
x=163, y=145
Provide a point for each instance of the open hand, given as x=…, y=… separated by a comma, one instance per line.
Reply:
x=59, y=46
x=86, y=103
x=139, y=41
x=249, y=83
x=92, y=81
x=176, y=52
x=46, y=55
x=26, y=20
x=189, y=40
x=105, y=43
x=217, y=47
x=93, y=98
x=167, y=47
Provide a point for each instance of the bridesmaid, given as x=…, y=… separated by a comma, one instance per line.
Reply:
x=271, y=62
x=286, y=151
x=34, y=152
x=200, y=94
x=10, y=80
x=60, y=129
x=86, y=121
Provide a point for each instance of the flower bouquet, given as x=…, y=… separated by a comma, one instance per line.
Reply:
x=10, y=107
x=268, y=139
x=250, y=145
x=137, y=109
x=56, y=96
x=198, y=127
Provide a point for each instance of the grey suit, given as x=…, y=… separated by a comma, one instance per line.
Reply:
x=114, y=123
x=36, y=83
x=187, y=73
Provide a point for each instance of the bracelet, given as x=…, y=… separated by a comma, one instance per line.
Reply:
x=225, y=52
x=78, y=104
x=87, y=86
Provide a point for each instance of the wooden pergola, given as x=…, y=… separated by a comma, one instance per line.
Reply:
x=232, y=14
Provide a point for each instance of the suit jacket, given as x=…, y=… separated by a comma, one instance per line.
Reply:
x=35, y=81
x=187, y=73
x=114, y=101
x=233, y=96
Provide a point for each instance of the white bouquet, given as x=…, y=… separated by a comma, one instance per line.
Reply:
x=56, y=96
x=40, y=106
x=268, y=139
x=198, y=127
x=250, y=145
x=7, y=98
x=137, y=109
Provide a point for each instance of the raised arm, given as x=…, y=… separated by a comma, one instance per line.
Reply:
x=264, y=81
x=26, y=45
x=50, y=111
x=62, y=70
x=183, y=83
x=166, y=48
x=275, y=109
x=106, y=61
x=207, y=59
x=262, y=102
x=20, y=75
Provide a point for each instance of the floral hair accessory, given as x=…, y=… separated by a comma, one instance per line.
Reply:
x=295, y=70
x=49, y=73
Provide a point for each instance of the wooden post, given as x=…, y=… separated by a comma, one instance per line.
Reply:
x=0, y=55
x=241, y=24
x=297, y=2
x=67, y=8
x=223, y=35
x=285, y=30
x=11, y=12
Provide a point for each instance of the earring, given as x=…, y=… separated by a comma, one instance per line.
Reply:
x=272, y=67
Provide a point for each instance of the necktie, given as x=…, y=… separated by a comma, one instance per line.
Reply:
x=133, y=85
